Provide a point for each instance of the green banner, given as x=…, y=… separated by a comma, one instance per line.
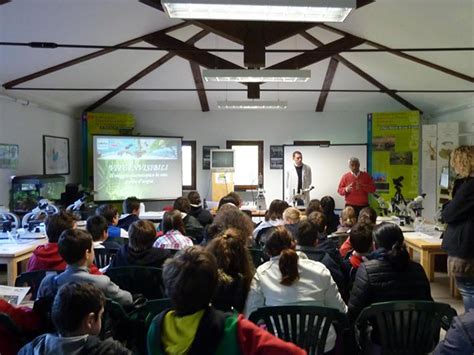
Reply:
x=394, y=152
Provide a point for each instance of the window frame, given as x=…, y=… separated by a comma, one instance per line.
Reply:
x=259, y=144
x=192, y=144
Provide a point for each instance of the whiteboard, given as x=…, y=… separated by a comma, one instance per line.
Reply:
x=328, y=164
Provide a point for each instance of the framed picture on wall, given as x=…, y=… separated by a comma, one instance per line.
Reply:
x=276, y=157
x=9, y=156
x=206, y=156
x=55, y=155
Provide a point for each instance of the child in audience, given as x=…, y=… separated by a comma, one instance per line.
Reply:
x=229, y=216
x=360, y=236
x=131, y=211
x=390, y=275
x=173, y=229
x=366, y=215
x=77, y=315
x=288, y=278
x=347, y=220
x=46, y=257
x=313, y=206
x=98, y=228
x=192, y=228
x=459, y=338
x=232, y=198
x=292, y=217
x=328, y=206
x=139, y=250
x=197, y=211
x=75, y=247
x=235, y=271
x=192, y=326
x=110, y=213
x=273, y=218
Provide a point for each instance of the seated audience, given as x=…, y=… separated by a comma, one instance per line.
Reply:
x=110, y=213
x=46, y=257
x=390, y=276
x=77, y=315
x=313, y=206
x=75, y=247
x=329, y=245
x=367, y=215
x=307, y=243
x=288, y=278
x=98, y=228
x=360, y=236
x=232, y=198
x=273, y=218
x=197, y=211
x=328, y=206
x=194, y=327
x=292, y=217
x=347, y=220
x=192, y=228
x=173, y=229
x=459, y=338
x=139, y=250
x=229, y=216
x=131, y=212
x=235, y=271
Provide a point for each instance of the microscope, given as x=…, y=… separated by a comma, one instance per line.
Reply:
x=33, y=222
x=9, y=222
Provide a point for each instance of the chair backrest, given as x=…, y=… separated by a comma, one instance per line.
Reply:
x=405, y=327
x=143, y=280
x=304, y=325
x=103, y=256
x=258, y=256
x=33, y=280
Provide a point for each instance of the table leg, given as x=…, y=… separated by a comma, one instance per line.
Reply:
x=410, y=252
x=12, y=271
x=428, y=266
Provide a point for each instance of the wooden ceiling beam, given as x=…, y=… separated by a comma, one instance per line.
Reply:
x=278, y=31
x=363, y=74
x=327, y=84
x=253, y=91
x=360, y=3
x=142, y=73
x=254, y=47
x=196, y=70
x=405, y=55
x=84, y=58
x=156, y=4
x=234, y=31
x=319, y=54
x=3, y=2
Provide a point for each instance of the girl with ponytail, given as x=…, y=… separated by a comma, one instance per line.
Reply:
x=390, y=275
x=290, y=277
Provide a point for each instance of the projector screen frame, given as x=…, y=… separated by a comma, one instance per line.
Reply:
x=135, y=136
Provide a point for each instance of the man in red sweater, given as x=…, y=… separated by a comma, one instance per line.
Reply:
x=355, y=186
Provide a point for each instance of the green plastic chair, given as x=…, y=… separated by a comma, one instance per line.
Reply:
x=304, y=325
x=33, y=280
x=104, y=256
x=403, y=327
x=143, y=280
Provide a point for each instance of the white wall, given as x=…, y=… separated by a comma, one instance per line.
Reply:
x=274, y=128
x=465, y=116
x=25, y=126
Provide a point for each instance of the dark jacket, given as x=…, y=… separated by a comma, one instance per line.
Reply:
x=230, y=293
x=193, y=229
x=51, y=344
x=460, y=337
x=125, y=222
x=126, y=256
x=203, y=216
x=332, y=222
x=458, y=239
x=378, y=281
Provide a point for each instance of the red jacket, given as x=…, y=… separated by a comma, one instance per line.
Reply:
x=362, y=185
x=46, y=257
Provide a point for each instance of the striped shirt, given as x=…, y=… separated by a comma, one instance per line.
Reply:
x=173, y=239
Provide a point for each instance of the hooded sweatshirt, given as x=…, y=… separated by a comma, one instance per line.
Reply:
x=46, y=257
x=51, y=344
x=150, y=257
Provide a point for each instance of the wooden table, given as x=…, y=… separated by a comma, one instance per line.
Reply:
x=12, y=253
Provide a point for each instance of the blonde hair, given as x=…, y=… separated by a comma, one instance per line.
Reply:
x=291, y=215
x=462, y=160
x=348, y=216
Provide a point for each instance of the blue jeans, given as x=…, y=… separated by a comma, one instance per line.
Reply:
x=466, y=289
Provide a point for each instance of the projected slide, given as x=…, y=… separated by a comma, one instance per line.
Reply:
x=145, y=167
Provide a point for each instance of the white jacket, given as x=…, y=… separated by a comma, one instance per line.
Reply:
x=291, y=183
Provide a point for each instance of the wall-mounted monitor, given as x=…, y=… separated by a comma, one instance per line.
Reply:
x=149, y=168
x=222, y=160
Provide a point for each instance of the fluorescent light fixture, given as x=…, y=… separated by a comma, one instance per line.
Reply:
x=252, y=105
x=261, y=10
x=257, y=75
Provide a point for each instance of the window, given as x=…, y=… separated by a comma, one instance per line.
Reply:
x=189, y=165
x=248, y=162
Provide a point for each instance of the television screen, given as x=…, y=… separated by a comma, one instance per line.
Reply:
x=222, y=159
x=149, y=168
